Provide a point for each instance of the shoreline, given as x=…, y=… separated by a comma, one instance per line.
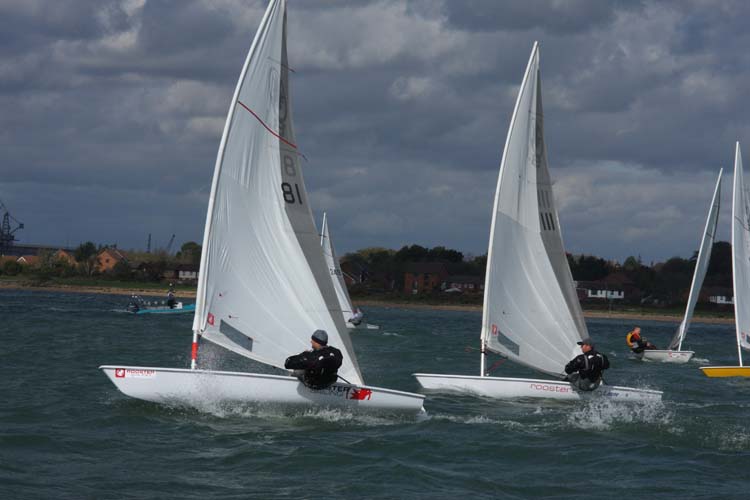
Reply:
x=190, y=294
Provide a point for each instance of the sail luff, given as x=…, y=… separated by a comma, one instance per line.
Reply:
x=701, y=264
x=199, y=320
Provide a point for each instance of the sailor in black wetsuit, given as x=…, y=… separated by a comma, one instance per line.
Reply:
x=317, y=368
x=585, y=370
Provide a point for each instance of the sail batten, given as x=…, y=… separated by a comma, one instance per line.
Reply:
x=263, y=285
x=529, y=300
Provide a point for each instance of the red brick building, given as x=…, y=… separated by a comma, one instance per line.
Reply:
x=424, y=277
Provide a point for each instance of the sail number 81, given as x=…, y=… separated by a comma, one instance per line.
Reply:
x=289, y=193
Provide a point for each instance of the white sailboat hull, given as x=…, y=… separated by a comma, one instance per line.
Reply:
x=362, y=326
x=198, y=387
x=512, y=388
x=666, y=356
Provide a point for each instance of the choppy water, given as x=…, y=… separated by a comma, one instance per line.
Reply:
x=65, y=431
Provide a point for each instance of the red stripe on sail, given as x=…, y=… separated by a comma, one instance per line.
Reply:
x=266, y=126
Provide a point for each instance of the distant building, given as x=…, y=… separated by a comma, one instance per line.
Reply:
x=187, y=273
x=422, y=277
x=64, y=256
x=719, y=295
x=108, y=258
x=463, y=284
x=28, y=260
x=616, y=286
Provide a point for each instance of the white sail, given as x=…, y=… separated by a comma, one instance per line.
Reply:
x=701, y=264
x=334, y=269
x=741, y=256
x=531, y=310
x=264, y=285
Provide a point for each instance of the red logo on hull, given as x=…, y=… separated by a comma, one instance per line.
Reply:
x=119, y=372
x=361, y=394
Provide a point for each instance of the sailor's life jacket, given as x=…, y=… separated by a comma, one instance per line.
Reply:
x=632, y=339
x=320, y=367
x=588, y=367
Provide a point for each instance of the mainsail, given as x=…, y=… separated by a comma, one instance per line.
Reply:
x=701, y=265
x=334, y=269
x=264, y=285
x=741, y=255
x=531, y=310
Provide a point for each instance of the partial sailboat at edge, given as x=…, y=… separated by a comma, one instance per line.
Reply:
x=531, y=312
x=740, y=273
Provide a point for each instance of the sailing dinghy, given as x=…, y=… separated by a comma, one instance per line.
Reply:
x=740, y=273
x=263, y=286
x=337, y=276
x=675, y=354
x=531, y=311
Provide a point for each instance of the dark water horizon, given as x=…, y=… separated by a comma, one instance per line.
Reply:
x=66, y=432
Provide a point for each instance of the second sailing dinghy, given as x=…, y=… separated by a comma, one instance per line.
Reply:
x=531, y=311
x=264, y=286
x=740, y=273
x=352, y=316
x=675, y=354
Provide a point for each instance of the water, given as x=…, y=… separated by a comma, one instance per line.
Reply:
x=66, y=432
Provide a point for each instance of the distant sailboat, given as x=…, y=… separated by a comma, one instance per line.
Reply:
x=675, y=354
x=740, y=273
x=263, y=286
x=352, y=315
x=531, y=311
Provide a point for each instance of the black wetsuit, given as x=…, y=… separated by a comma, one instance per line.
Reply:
x=320, y=367
x=585, y=370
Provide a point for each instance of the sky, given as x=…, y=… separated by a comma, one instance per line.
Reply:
x=112, y=112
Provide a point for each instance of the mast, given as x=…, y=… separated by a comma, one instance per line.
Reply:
x=323, y=230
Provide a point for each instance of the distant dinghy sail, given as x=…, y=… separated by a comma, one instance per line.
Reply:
x=264, y=285
x=334, y=269
x=701, y=264
x=531, y=310
x=740, y=272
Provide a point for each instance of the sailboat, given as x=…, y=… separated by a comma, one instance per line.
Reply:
x=675, y=354
x=740, y=273
x=337, y=277
x=263, y=286
x=531, y=312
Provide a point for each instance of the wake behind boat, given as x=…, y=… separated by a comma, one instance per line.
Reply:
x=531, y=312
x=138, y=305
x=263, y=285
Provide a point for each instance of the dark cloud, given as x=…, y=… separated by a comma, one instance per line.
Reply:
x=113, y=110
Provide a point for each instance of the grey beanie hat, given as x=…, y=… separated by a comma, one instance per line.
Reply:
x=320, y=336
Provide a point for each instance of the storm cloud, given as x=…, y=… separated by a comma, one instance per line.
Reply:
x=112, y=113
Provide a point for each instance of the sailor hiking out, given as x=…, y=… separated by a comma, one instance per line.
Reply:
x=585, y=370
x=318, y=368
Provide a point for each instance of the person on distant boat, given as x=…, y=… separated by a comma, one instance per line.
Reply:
x=317, y=368
x=171, y=302
x=585, y=370
x=637, y=343
x=356, y=318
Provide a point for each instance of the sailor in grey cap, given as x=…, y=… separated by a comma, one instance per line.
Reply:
x=317, y=368
x=585, y=370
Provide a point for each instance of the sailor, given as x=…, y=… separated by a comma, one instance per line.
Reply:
x=356, y=318
x=317, y=368
x=637, y=343
x=585, y=370
x=171, y=302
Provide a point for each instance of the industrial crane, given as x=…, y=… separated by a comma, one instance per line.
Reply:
x=6, y=231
